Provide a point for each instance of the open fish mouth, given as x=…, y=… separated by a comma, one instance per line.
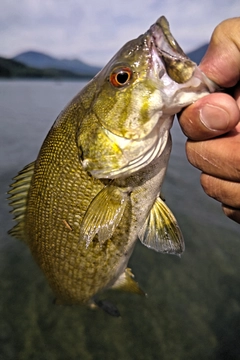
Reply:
x=177, y=65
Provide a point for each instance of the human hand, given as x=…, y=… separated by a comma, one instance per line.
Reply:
x=212, y=123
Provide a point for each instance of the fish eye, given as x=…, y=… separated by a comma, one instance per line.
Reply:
x=121, y=77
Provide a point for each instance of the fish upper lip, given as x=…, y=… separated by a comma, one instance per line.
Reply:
x=163, y=45
x=163, y=40
x=159, y=47
x=159, y=43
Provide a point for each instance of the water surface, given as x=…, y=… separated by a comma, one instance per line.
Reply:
x=193, y=306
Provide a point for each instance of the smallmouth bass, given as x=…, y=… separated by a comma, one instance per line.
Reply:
x=94, y=189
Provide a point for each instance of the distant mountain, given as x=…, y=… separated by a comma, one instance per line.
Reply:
x=198, y=54
x=14, y=69
x=44, y=61
x=32, y=64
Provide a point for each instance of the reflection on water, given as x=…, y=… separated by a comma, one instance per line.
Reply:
x=193, y=306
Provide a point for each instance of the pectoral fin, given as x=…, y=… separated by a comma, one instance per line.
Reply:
x=18, y=199
x=104, y=214
x=161, y=231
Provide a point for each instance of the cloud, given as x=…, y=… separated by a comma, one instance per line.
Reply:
x=94, y=30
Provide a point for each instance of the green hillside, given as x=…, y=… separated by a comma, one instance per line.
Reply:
x=13, y=69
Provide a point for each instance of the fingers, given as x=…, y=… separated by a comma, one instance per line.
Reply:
x=209, y=117
x=224, y=191
x=227, y=192
x=217, y=113
x=232, y=213
x=221, y=62
x=212, y=123
x=218, y=157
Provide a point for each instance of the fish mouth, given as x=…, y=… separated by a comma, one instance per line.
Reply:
x=177, y=65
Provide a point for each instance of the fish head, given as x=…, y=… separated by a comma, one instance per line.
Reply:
x=138, y=93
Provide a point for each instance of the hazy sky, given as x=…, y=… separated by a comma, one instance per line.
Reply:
x=93, y=30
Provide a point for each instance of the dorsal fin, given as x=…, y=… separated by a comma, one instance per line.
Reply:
x=18, y=199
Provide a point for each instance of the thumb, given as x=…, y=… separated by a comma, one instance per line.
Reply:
x=209, y=117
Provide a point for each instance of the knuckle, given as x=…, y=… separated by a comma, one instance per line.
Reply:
x=232, y=213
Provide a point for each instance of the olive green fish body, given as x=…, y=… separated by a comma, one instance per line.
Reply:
x=95, y=187
x=59, y=196
x=63, y=192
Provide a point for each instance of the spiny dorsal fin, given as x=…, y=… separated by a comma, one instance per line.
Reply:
x=18, y=199
x=126, y=282
x=161, y=231
x=104, y=214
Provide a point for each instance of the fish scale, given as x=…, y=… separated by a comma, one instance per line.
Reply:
x=58, y=243
x=95, y=188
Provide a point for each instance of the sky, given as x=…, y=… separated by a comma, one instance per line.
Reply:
x=93, y=30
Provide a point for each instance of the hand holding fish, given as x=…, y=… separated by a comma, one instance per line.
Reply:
x=212, y=123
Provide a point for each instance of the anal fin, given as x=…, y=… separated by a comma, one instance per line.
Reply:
x=126, y=282
x=18, y=199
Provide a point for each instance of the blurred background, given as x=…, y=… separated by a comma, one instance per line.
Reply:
x=93, y=31
x=49, y=50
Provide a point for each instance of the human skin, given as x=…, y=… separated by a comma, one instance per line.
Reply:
x=212, y=123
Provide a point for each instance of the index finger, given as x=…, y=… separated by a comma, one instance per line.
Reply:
x=221, y=62
x=217, y=113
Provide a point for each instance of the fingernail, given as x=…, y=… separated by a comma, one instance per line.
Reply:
x=214, y=117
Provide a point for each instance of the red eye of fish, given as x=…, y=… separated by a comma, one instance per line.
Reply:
x=121, y=77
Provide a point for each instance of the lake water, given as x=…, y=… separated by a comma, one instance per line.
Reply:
x=193, y=306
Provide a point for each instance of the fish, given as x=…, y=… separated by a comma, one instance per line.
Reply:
x=94, y=189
